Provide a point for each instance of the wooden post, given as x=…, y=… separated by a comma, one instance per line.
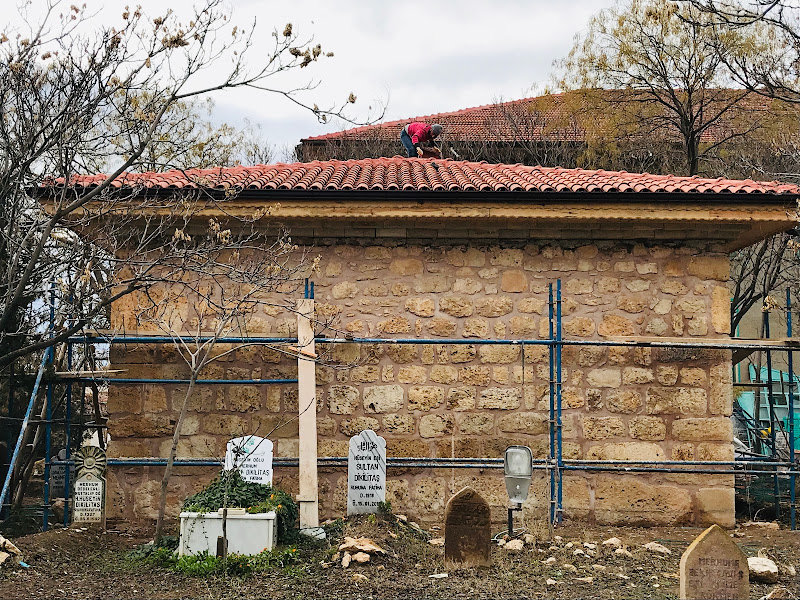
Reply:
x=307, y=405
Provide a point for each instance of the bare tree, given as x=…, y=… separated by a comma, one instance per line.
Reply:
x=771, y=68
x=669, y=73
x=71, y=97
x=79, y=95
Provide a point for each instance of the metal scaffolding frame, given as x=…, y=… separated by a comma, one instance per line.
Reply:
x=554, y=465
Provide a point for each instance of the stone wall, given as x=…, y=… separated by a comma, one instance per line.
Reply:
x=470, y=400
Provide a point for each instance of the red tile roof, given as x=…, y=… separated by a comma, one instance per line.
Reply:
x=553, y=117
x=413, y=174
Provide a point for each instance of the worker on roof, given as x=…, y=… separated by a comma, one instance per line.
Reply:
x=414, y=135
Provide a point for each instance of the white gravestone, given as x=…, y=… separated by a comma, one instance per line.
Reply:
x=366, y=473
x=87, y=503
x=252, y=456
x=89, y=493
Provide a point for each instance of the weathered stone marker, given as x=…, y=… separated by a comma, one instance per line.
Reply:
x=713, y=567
x=58, y=476
x=366, y=473
x=252, y=455
x=89, y=498
x=467, y=531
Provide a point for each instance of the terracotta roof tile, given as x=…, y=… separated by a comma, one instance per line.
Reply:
x=415, y=174
x=554, y=117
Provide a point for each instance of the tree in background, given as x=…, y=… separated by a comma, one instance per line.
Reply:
x=773, y=71
x=188, y=138
x=669, y=73
x=770, y=70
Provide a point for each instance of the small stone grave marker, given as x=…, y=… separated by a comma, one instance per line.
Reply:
x=252, y=455
x=713, y=567
x=58, y=475
x=366, y=473
x=467, y=529
x=89, y=496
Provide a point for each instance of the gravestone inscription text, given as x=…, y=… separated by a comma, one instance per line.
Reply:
x=87, y=506
x=714, y=568
x=366, y=473
x=252, y=455
x=467, y=529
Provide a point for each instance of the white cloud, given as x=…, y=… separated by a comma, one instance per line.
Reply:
x=424, y=56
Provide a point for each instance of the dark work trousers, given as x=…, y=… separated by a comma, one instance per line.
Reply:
x=406, y=139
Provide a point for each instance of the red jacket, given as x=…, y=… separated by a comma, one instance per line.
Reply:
x=419, y=133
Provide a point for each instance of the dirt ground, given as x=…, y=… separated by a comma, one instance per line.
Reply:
x=92, y=564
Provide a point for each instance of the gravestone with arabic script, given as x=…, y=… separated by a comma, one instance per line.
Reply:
x=467, y=530
x=366, y=473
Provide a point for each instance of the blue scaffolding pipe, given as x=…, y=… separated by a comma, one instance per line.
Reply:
x=420, y=463
x=772, y=419
x=23, y=427
x=48, y=428
x=693, y=463
x=495, y=461
x=68, y=434
x=552, y=403
x=550, y=342
x=135, y=380
x=162, y=339
x=789, y=360
x=559, y=455
x=465, y=463
x=614, y=468
x=48, y=431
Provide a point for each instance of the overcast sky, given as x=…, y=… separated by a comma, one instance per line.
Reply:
x=421, y=57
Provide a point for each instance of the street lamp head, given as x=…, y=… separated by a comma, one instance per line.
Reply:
x=518, y=468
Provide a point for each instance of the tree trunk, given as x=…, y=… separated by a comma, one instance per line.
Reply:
x=171, y=459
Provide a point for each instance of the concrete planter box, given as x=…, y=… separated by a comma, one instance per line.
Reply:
x=247, y=534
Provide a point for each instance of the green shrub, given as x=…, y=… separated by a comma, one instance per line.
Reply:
x=236, y=564
x=255, y=497
x=198, y=564
x=151, y=555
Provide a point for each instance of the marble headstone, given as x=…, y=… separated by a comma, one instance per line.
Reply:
x=252, y=455
x=467, y=529
x=366, y=473
x=713, y=567
x=89, y=493
x=89, y=499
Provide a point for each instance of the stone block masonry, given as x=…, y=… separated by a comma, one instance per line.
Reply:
x=471, y=400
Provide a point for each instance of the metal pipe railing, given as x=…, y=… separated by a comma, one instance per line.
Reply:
x=143, y=380
x=485, y=463
x=554, y=464
x=789, y=360
x=755, y=345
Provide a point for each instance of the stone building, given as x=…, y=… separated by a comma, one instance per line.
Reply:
x=442, y=250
